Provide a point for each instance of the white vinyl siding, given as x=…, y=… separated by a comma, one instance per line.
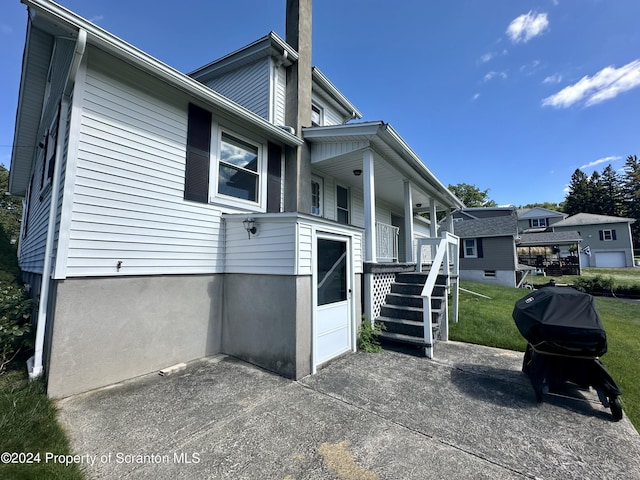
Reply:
x=32, y=247
x=282, y=245
x=330, y=114
x=128, y=200
x=270, y=251
x=280, y=95
x=248, y=86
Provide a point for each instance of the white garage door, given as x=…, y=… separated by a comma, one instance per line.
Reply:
x=611, y=259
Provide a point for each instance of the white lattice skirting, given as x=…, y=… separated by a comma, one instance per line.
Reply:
x=381, y=286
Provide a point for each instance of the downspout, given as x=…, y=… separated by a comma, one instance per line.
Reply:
x=34, y=364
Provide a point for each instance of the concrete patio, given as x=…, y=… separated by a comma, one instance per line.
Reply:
x=470, y=413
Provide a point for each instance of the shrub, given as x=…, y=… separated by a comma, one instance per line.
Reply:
x=597, y=284
x=368, y=338
x=15, y=310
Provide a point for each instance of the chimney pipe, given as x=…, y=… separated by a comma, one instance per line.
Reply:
x=298, y=106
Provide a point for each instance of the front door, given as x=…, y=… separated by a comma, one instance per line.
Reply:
x=332, y=327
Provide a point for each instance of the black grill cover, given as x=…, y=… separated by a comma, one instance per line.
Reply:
x=561, y=320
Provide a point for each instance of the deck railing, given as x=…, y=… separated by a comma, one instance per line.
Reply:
x=386, y=242
x=445, y=262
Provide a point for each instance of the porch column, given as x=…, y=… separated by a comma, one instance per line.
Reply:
x=369, y=229
x=369, y=206
x=433, y=225
x=450, y=227
x=408, y=223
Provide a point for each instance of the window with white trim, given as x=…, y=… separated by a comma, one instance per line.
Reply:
x=342, y=204
x=470, y=248
x=539, y=222
x=316, y=195
x=607, y=235
x=238, y=168
x=316, y=116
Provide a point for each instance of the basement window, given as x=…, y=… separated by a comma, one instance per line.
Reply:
x=489, y=273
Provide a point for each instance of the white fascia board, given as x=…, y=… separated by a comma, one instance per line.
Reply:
x=386, y=133
x=270, y=44
x=72, y=22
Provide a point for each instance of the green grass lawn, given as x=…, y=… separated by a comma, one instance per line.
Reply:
x=28, y=425
x=621, y=276
x=489, y=322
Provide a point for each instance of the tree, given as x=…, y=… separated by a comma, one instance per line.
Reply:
x=548, y=205
x=10, y=207
x=631, y=195
x=578, y=198
x=472, y=196
x=612, y=188
x=597, y=194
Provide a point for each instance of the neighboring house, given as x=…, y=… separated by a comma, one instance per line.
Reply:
x=488, y=246
x=538, y=218
x=608, y=239
x=165, y=221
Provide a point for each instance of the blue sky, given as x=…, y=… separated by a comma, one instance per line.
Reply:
x=508, y=95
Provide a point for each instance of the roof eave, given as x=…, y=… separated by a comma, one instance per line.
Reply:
x=266, y=44
x=386, y=134
x=121, y=49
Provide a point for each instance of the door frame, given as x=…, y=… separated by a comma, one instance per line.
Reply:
x=327, y=235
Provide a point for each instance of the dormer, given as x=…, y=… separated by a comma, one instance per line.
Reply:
x=253, y=76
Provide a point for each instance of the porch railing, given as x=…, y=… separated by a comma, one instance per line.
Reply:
x=445, y=262
x=386, y=242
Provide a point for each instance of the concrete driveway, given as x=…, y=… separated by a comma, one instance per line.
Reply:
x=470, y=414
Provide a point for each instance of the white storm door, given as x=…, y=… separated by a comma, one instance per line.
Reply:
x=332, y=328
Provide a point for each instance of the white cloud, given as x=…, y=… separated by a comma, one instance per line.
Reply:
x=604, y=85
x=555, y=78
x=475, y=97
x=530, y=67
x=527, y=26
x=609, y=159
x=486, y=57
x=491, y=75
x=96, y=18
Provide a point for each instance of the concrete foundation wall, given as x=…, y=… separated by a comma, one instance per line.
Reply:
x=112, y=329
x=260, y=326
x=503, y=277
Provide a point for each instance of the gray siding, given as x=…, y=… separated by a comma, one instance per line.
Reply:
x=498, y=254
x=249, y=86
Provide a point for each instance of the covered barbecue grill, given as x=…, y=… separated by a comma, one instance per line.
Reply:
x=565, y=338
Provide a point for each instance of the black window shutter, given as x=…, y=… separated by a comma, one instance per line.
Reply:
x=52, y=160
x=601, y=233
x=196, y=178
x=613, y=234
x=462, y=248
x=530, y=223
x=479, y=246
x=274, y=176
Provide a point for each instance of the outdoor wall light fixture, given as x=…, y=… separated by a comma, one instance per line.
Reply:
x=357, y=172
x=250, y=226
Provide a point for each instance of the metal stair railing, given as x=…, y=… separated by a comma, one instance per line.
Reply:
x=445, y=261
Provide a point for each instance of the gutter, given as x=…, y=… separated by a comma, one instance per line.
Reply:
x=35, y=364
